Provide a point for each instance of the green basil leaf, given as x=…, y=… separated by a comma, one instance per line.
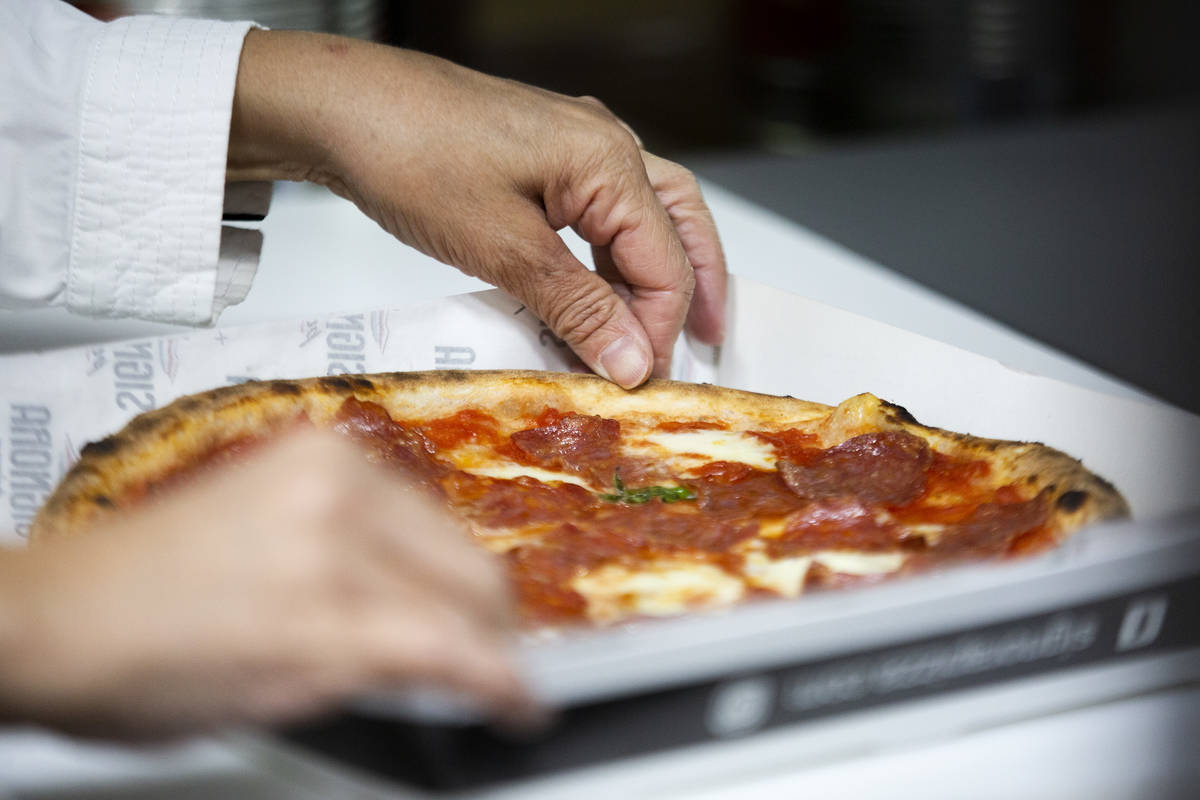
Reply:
x=636, y=497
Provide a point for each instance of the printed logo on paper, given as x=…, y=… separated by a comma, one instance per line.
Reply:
x=30, y=462
x=346, y=344
x=448, y=356
x=381, y=329
x=310, y=329
x=168, y=358
x=96, y=359
x=133, y=376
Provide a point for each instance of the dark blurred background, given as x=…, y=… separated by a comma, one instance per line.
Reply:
x=1038, y=160
x=784, y=75
x=789, y=75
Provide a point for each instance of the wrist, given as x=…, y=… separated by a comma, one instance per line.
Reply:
x=284, y=107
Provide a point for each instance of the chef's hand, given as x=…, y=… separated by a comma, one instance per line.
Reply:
x=265, y=593
x=481, y=172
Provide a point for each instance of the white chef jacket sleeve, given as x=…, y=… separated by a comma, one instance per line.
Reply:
x=113, y=140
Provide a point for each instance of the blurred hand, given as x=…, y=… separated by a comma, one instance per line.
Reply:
x=481, y=172
x=265, y=593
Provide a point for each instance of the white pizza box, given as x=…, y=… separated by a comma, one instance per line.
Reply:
x=826, y=677
x=778, y=343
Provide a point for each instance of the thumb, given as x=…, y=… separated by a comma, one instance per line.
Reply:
x=583, y=310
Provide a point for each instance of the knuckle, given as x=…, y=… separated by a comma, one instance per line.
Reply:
x=687, y=178
x=578, y=317
x=314, y=492
x=619, y=143
x=602, y=131
x=594, y=101
x=682, y=179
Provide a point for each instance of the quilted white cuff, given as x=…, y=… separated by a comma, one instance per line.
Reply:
x=146, y=235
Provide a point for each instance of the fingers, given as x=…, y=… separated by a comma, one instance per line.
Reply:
x=580, y=306
x=439, y=610
x=616, y=209
x=433, y=550
x=679, y=193
x=434, y=643
x=393, y=526
x=394, y=590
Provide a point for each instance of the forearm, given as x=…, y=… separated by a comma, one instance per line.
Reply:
x=18, y=661
x=317, y=107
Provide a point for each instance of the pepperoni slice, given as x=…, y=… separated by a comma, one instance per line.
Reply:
x=729, y=489
x=390, y=441
x=573, y=441
x=652, y=530
x=495, y=502
x=838, y=523
x=991, y=529
x=886, y=468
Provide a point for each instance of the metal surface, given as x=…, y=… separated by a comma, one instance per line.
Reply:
x=357, y=18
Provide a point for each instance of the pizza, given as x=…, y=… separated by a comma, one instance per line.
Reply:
x=609, y=505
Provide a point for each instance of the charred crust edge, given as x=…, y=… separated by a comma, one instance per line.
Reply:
x=335, y=383
x=1095, y=499
x=899, y=413
x=1072, y=500
x=283, y=388
x=102, y=447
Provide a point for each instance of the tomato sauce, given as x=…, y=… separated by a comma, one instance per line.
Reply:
x=466, y=427
x=948, y=475
x=795, y=445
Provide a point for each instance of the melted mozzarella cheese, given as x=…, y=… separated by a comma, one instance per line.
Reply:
x=772, y=528
x=929, y=530
x=849, y=562
x=705, y=446
x=658, y=589
x=784, y=576
x=510, y=472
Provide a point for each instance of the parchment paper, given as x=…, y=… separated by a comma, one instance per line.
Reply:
x=52, y=403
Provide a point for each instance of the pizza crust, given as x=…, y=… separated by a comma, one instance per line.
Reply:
x=156, y=443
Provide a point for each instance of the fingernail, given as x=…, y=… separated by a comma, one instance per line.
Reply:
x=624, y=362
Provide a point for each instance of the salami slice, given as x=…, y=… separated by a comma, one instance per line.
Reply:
x=887, y=467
